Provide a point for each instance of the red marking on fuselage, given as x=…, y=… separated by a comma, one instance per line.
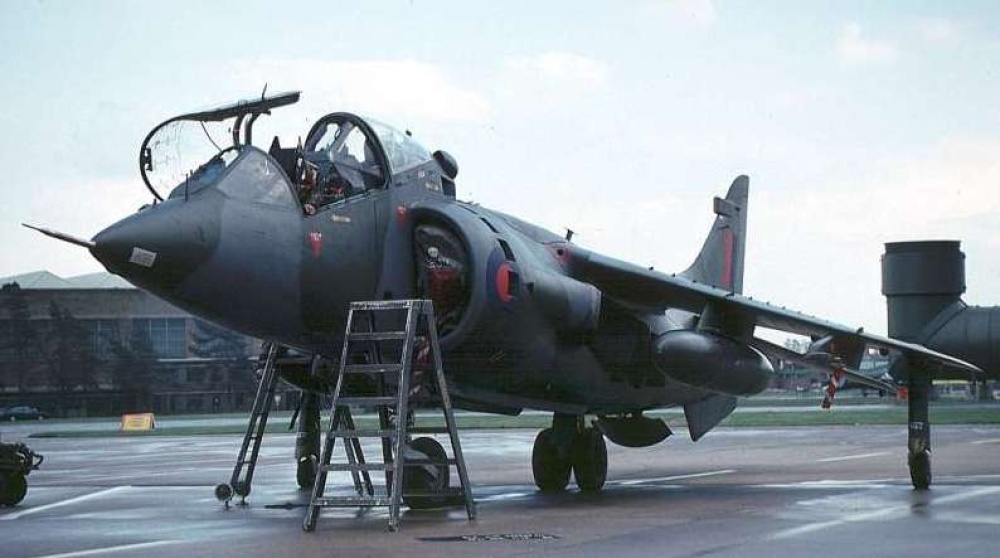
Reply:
x=503, y=282
x=401, y=213
x=316, y=243
x=727, y=258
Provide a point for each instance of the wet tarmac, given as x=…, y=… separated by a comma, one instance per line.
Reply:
x=738, y=492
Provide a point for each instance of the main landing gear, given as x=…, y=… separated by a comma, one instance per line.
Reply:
x=569, y=445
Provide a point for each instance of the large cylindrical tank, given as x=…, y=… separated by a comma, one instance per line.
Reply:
x=919, y=280
x=923, y=283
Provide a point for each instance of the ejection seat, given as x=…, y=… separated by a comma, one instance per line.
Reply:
x=287, y=158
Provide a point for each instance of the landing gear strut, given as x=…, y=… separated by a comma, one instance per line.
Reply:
x=569, y=445
x=307, y=440
x=919, y=426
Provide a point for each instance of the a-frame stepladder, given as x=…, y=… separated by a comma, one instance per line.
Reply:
x=394, y=359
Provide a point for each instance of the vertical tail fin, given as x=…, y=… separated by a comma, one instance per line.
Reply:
x=720, y=262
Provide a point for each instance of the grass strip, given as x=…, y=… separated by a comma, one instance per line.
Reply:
x=948, y=414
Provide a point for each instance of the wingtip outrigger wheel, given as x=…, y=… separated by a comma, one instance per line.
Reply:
x=920, y=469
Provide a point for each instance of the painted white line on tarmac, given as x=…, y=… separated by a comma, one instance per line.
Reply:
x=964, y=517
x=880, y=514
x=674, y=478
x=71, y=501
x=98, y=478
x=851, y=457
x=109, y=549
x=990, y=441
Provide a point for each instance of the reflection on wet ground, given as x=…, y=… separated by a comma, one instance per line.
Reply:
x=745, y=492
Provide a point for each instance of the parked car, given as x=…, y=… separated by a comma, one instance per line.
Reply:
x=21, y=413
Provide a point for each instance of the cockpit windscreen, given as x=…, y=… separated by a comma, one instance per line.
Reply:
x=181, y=150
x=403, y=151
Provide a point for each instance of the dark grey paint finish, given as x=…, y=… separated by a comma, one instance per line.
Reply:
x=923, y=283
x=548, y=325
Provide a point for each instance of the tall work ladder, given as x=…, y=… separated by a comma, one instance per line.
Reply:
x=372, y=350
x=246, y=461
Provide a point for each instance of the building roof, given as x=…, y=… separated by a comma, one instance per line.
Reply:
x=38, y=280
x=99, y=280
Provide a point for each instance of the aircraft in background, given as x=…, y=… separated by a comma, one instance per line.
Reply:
x=277, y=243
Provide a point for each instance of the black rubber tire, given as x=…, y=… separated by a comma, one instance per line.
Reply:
x=305, y=473
x=920, y=470
x=549, y=467
x=420, y=479
x=590, y=460
x=13, y=487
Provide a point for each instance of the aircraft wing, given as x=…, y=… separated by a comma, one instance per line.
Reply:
x=645, y=287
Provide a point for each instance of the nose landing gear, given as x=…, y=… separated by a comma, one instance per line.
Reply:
x=569, y=445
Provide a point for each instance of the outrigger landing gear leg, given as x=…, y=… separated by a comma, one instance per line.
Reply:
x=919, y=426
x=569, y=445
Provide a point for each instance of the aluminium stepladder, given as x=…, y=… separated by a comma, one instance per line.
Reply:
x=404, y=356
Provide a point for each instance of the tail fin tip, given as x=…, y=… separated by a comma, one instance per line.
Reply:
x=720, y=262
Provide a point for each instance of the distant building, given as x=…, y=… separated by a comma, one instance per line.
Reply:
x=95, y=345
x=791, y=376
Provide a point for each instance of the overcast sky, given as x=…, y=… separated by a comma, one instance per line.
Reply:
x=858, y=122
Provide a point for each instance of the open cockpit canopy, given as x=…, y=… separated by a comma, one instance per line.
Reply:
x=346, y=136
x=344, y=155
x=192, y=149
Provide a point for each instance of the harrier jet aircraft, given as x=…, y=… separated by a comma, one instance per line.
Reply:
x=276, y=244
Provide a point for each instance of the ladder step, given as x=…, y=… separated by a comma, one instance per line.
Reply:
x=372, y=368
x=385, y=304
x=358, y=467
x=379, y=400
x=377, y=336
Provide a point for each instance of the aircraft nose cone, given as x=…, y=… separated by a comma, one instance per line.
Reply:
x=158, y=247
